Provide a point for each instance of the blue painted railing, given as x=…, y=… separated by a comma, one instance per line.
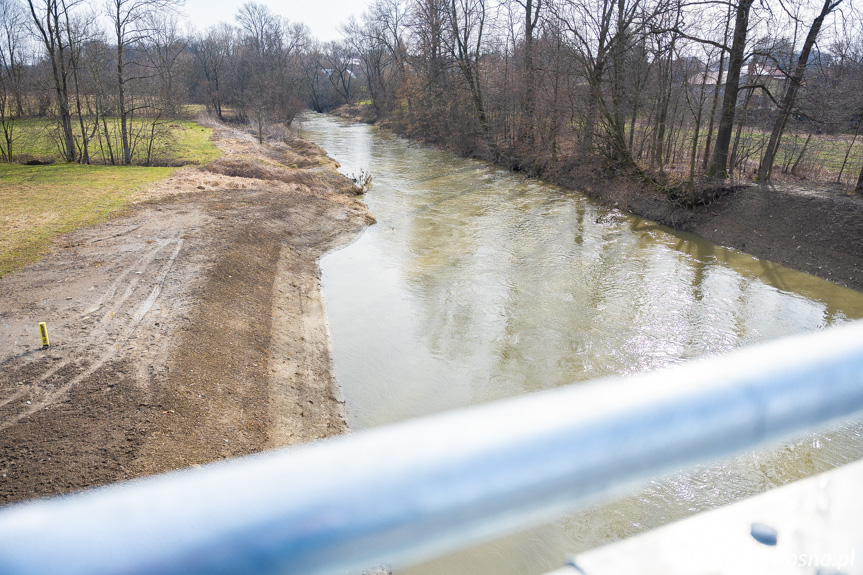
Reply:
x=407, y=492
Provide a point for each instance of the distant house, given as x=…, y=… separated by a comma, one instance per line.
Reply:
x=328, y=72
x=769, y=76
x=707, y=78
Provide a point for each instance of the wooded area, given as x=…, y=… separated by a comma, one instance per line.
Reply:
x=676, y=93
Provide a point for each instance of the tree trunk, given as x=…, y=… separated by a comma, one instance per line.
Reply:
x=74, y=62
x=108, y=140
x=68, y=134
x=121, y=101
x=791, y=92
x=468, y=61
x=719, y=162
x=800, y=157
x=732, y=163
x=715, y=103
x=859, y=187
x=848, y=151
x=52, y=39
x=531, y=18
x=693, y=155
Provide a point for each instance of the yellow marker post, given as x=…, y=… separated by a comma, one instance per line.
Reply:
x=43, y=329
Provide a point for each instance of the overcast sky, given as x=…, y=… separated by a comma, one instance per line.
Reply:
x=321, y=16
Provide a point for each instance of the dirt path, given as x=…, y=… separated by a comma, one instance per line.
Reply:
x=187, y=331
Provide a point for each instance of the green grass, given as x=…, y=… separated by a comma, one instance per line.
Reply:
x=179, y=142
x=189, y=143
x=823, y=160
x=37, y=203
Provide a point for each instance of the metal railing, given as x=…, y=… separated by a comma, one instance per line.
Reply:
x=410, y=491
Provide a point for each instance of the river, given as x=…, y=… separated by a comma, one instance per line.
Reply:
x=478, y=284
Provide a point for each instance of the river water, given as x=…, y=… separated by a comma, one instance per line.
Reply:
x=478, y=284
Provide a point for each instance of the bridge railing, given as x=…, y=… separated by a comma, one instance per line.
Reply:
x=407, y=492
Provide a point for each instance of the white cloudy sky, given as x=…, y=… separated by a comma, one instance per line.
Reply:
x=321, y=16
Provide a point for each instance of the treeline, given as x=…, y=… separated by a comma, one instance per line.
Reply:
x=107, y=78
x=106, y=73
x=671, y=91
x=675, y=92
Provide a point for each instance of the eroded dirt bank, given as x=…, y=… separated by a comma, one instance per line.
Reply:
x=187, y=331
x=815, y=228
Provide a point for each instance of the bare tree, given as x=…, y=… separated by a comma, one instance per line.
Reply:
x=315, y=83
x=718, y=166
x=377, y=41
x=532, y=10
x=467, y=22
x=338, y=68
x=49, y=19
x=131, y=21
x=12, y=20
x=213, y=51
x=791, y=91
x=99, y=95
x=268, y=51
x=720, y=80
x=162, y=52
x=76, y=30
x=601, y=32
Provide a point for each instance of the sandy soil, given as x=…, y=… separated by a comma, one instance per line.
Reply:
x=187, y=331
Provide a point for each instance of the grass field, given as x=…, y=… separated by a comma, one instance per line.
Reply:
x=178, y=142
x=823, y=160
x=37, y=203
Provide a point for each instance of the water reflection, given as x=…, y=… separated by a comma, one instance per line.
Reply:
x=476, y=284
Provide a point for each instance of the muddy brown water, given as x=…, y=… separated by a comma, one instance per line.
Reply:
x=477, y=284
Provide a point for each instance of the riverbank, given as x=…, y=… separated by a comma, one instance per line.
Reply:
x=187, y=331
x=813, y=227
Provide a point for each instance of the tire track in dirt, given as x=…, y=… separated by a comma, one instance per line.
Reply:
x=161, y=328
x=102, y=343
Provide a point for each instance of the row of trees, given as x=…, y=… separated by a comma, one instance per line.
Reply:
x=671, y=90
x=58, y=60
x=266, y=69
x=674, y=91
x=113, y=74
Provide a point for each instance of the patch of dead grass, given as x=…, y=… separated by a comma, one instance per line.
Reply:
x=246, y=169
x=288, y=164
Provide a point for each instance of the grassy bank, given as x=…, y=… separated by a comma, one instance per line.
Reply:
x=39, y=202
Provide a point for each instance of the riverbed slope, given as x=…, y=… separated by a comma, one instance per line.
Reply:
x=187, y=331
x=813, y=227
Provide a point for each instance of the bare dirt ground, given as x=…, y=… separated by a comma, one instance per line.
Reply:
x=187, y=331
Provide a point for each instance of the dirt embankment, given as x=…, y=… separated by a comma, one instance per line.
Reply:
x=815, y=228
x=187, y=331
